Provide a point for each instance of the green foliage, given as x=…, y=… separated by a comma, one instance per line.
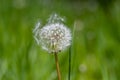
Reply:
x=96, y=41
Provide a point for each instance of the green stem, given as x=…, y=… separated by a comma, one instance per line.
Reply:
x=69, y=63
x=57, y=66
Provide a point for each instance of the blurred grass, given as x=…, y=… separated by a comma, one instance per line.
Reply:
x=96, y=41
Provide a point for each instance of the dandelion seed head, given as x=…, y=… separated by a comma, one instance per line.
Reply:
x=53, y=37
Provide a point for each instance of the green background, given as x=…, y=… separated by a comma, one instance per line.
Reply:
x=95, y=25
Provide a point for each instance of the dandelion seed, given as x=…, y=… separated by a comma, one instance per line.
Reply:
x=37, y=26
x=54, y=36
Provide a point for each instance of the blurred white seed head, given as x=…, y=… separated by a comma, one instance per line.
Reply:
x=53, y=37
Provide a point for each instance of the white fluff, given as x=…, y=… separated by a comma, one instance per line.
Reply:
x=53, y=37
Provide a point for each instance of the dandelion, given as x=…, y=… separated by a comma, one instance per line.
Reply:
x=53, y=37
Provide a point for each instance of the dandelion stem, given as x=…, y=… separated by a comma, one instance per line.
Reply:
x=57, y=66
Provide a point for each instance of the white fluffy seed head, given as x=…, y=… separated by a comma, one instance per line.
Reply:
x=53, y=37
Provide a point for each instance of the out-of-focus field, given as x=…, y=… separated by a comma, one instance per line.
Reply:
x=96, y=40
